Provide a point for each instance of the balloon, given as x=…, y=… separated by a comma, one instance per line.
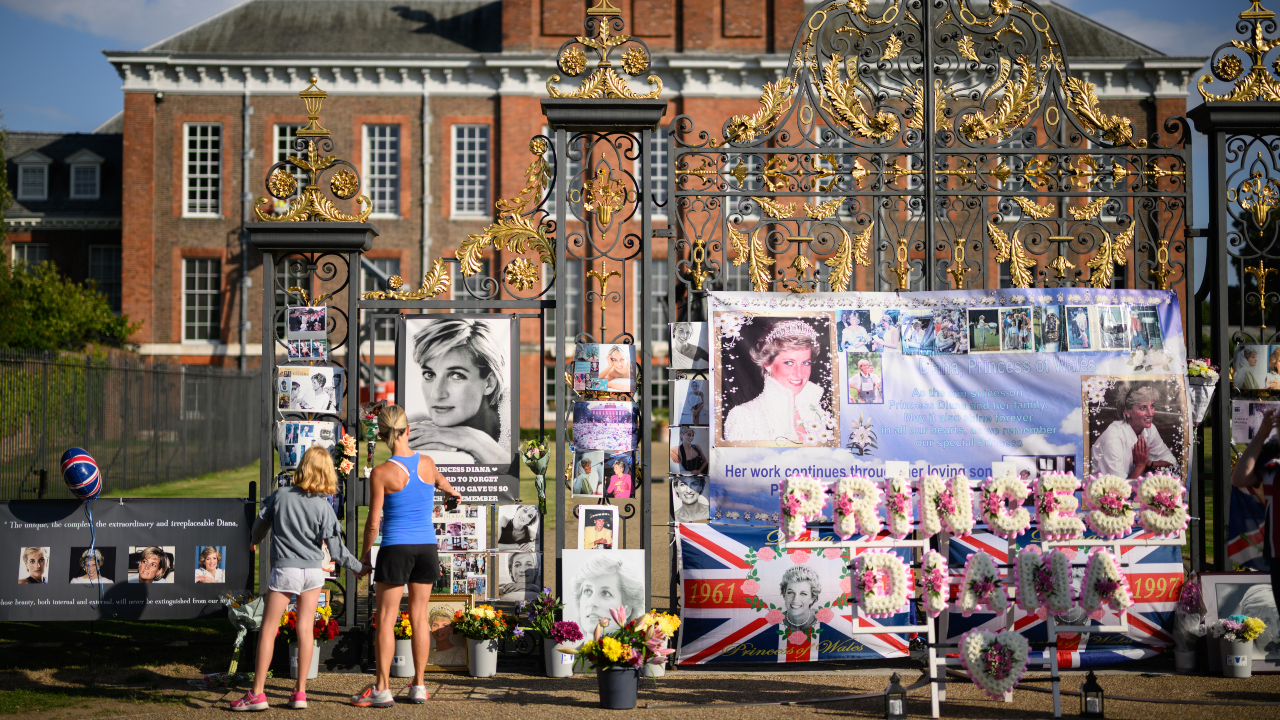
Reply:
x=81, y=474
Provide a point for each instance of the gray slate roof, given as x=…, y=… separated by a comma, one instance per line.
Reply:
x=60, y=146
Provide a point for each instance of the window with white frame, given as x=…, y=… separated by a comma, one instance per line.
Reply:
x=470, y=170
x=382, y=168
x=468, y=288
x=84, y=182
x=201, y=299
x=202, y=170
x=549, y=391
x=659, y=154
x=658, y=281
x=285, y=135
x=33, y=182
x=733, y=277
x=384, y=329
x=32, y=254
x=571, y=276
x=104, y=268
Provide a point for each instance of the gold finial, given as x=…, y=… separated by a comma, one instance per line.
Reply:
x=604, y=81
x=1261, y=271
x=603, y=7
x=1259, y=83
x=1256, y=12
x=313, y=97
x=602, y=276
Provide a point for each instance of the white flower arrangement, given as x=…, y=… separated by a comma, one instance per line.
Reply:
x=880, y=583
x=857, y=505
x=1001, y=506
x=1164, y=506
x=1043, y=580
x=945, y=501
x=802, y=500
x=933, y=583
x=1106, y=497
x=1104, y=582
x=1202, y=368
x=995, y=661
x=897, y=503
x=1056, y=506
x=982, y=585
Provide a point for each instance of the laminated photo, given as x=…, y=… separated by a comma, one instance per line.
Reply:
x=1246, y=419
x=690, y=499
x=457, y=533
x=1144, y=328
x=598, y=527
x=855, y=331
x=689, y=346
x=306, y=323
x=866, y=378
x=294, y=437
x=519, y=528
x=1080, y=328
x=691, y=405
x=604, y=425
x=984, y=331
x=619, y=476
x=1047, y=327
x=519, y=576
x=587, y=474
x=1015, y=329
x=211, y=564
x=604, y=368
x=309, y=389
x=1252, y=365
x=1128, y=418
x=1113, y=327
x=690, y=451
x=308, y=350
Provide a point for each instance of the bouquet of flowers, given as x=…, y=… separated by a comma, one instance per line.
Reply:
x=564, y=632
x=244, y=611
x=633, y=644
x=540, y=613
x=482, y=622
x=1238, y=628
x=324, y=629
x=536, y=455
x=402, y=629
x=1202, y=380
x=1202, y=368
x=344, y=456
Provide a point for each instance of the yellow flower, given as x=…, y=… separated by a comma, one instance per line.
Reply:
x=612, y=648
x=588, y=647
x=1253, y=627
x=644, y=622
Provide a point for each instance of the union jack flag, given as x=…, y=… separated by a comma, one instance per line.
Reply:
x=722, y=618
x=1245, y=531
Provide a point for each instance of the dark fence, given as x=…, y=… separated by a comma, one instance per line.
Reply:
x=144, y=424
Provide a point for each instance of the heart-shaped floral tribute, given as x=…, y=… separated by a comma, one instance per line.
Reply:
x=1001, y=506
x=982, y=585
x=948, y=502
x=1164, y=507
x=802, y=500
x=857, y=507
x=995, y=661
x=933, y=583
x=1043, y=580
x=897, y=505
x=880, y=583
x=1107, y=499
x=1104, y=582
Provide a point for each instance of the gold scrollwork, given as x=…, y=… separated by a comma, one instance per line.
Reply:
x=1012, y=251
x=1258, y=84
x=522, y=274
x=842, y=96
x=697, y=263
x=603, y=195
x=515, y=230
x=1033, y=209
x=1019, y=98
x=824, y=210
x=1111, y=253
x=774, y=101
x=1088, y=212
x=800, y=265
x=851, y=250
x=1061, y=264
x=434, y=283
x=775, y=209
x=1084, y=103
x=1256, y=196
x=604, y=81
x=751, y=251
x=1260, y=273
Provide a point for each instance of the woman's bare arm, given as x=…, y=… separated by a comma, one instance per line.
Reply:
x=1245, y=474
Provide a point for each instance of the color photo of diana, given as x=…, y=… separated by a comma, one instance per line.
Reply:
x=1135, y=424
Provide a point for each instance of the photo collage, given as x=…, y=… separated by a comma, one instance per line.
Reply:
x=461, y=537
x=294, y=438
x=159, y=564
x=689, y=435
x=605, y=432
x=309, y=389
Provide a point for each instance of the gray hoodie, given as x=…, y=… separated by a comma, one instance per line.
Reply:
x=299, y=522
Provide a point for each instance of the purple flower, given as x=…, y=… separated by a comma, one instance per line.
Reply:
x=518, y=632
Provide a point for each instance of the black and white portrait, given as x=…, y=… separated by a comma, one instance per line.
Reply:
x=692, y=404
x=518, y=528
x=519, y=576
x=306, y=323
x=1134, y=424
x=310, y=389
x=775, y=380
x=597, y=582
x=689, y=346
x=689, y=499
x=457, y=388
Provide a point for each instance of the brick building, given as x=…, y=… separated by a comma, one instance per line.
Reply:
x=434, y=101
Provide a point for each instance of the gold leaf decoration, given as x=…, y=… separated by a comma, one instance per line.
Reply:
x=605, y=83
x=824, y=210
x=1228, y=67
x=1258, y=84
x=1033, y=209
x=344, y=183
x=851, y=250
x=1001, y=171
x=892, y=46
x=1060, y=265
x=434, y=283
x=634, y=61
x=573, y=61
x=774, y=101
x=1019, y=98
x=1084, y=103
x=915, y=95
x=847, y=106
x=522, y=274
x=282, y=183
x=774, y=209
x=1111, y=253
x=1088, y=211
x=1013, y=252
x=966, y=48
x=751, y=251
x=515, y=230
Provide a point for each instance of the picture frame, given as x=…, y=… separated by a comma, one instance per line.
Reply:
x=455, y=657
x=1245, y=593
x=587, y=515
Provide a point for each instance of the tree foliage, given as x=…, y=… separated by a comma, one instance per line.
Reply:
x=4, y=181
x=46, y=311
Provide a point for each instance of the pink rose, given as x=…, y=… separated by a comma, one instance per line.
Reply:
x=846, y=587
x=750, y=588
x=832, y=553
x=773, y=617
x=825, y=615
x=800, y=557
x=797, y=638
x=765, y=554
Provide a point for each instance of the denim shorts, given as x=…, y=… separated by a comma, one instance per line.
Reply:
x=296, y=580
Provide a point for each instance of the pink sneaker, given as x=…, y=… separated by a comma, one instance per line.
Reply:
x=250, y=702
x=298, y=701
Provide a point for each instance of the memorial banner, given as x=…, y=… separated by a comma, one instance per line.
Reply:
x=145, y=559
x=831, y=384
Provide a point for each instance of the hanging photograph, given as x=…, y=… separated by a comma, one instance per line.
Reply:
x=1252, y=364
x=306, y=323
x=855, y=331
x=455, y=532
x=1015, y=329
x=604, y=425
x=689, y=499
x=866, y=381
x=518, y=528
x=690, y=451
x=691, y=406
x=1080, y=329
x=1135, y=424
x=1113, y=327
x=519, y=576
x=775, y=380
x=689, y=346
x=1144, y=328
x=618, y=475
x=597, y=582
x=597, y=527
x=89, y=566
x=314, y=350
x=458, y=389
x=151, y=564
x=469, y=571
x=309, y=389
x=1047, y=327
x=604, y=368
x=1246, y=418
x=294, y=437
x=587, y=474
x=984, y=331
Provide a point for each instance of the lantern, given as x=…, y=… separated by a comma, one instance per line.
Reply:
x=1091, y=697
x=895, y=700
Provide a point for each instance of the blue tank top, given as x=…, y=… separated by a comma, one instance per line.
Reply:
x=406, y=515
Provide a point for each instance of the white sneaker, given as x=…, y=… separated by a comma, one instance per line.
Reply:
x=418, y=694
x=372, y=697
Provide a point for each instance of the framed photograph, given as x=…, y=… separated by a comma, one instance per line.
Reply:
x=309, y=389
x=1113, y=327
x=448, y=650
x=1120, y=409
x=599, y=581
x=294, y=437
x=691, y=406
x=151, y=564
x=866, y=378
x=1047, y=327
x=984, y=331
x=306, y=323
x=1015, y=329
x=597, y=526
x=690, y=499
x=604, y=368
x=1080, y=328
x=1252, y=367
x=587, y=473
x=519, y=576
x=91, y=566
x=689, y=346
x=519, y=528
x=690, y=451
x=604, y=425
x=765, y=361
x=1244, y=593
x=33, y=565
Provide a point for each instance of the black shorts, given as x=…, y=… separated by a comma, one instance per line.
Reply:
x=404, y=564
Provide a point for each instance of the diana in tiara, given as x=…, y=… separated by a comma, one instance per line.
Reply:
x=789, y=408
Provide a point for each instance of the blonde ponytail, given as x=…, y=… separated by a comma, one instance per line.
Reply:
x=392, y=422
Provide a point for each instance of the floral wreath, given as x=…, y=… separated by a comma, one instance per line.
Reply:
x=1103, y=581
x=1056, y=506
x=982, y=585
x=1001, y=506
x=856, y=501
x=802, y=501
x=1164, y=508
x=943, y=501
x=774, y=614
x=995, y=661
x=897, y=503
x=873, y=567
x=933, y=583
x=1106, y=497
x=1043, y=580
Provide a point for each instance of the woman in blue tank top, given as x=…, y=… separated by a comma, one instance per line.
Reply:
x=401, y=495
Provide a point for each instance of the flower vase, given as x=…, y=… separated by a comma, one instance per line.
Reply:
x=402, y=659
x=559, y=665
x=312, y=670
x=1199, y=394
x=1237, y=659
x=482, y=658
x=655, y=670
x=618, y=687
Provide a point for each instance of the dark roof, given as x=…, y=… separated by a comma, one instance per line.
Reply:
x=58, y=147
x=115, y=124
x=1085, y=38
x=344, y=27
